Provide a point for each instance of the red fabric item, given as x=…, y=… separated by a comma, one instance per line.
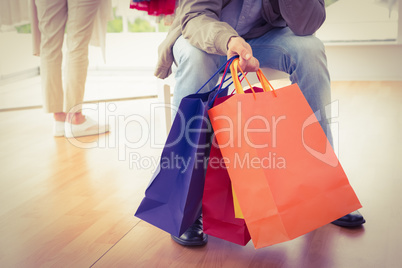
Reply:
x=155, y=7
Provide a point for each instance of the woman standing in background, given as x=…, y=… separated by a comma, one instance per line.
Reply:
x=51, y=19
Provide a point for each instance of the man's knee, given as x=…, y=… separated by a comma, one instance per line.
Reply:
x=310, y=46
x=185, y=53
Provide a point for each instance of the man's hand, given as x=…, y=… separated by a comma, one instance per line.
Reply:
x=238, y=46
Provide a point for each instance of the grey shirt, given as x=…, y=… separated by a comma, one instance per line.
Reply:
x=243, y=15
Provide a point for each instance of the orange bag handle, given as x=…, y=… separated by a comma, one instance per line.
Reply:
x=234, y=67
x=266, y=85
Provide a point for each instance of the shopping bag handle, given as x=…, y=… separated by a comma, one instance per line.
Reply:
x=266, y=85
x=220, y=87
x=235, y=67
x=218, y=71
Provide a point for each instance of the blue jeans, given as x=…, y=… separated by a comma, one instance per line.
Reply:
x=302, y=57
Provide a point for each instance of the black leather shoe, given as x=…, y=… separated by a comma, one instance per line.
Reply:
x=193, y=236
x=353, y=219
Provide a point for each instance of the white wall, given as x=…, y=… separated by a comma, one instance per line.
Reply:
x=365, y=62
x=16, y=55
x=353, y=57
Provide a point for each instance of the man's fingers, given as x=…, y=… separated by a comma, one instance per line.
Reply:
x=251, y=65
x=237, y=46
x=247, y=62
x=246, y=55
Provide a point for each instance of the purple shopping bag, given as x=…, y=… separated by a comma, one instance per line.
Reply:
x=173, y=198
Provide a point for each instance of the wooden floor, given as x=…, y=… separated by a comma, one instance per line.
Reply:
x=71, y=204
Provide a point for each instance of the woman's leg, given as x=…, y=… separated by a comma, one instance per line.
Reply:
x=81, y=15
x=80, y=23
x=52, y=16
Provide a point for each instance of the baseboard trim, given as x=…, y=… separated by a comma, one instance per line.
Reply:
x=28, y=73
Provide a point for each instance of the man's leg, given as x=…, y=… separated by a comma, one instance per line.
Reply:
x=303, y=58
x=194, y=68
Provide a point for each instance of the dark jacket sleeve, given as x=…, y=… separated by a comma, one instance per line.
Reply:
x=303, y=17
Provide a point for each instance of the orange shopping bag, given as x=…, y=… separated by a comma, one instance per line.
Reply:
x=286, y=176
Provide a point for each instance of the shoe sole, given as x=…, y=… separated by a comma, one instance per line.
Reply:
x=348, y=224
x=190, y=243
x=85, y=133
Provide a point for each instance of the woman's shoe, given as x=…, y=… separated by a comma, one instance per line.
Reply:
x=89, y=127
x=58, y=128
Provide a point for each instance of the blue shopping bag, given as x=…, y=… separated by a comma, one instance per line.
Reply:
x=173, y=198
